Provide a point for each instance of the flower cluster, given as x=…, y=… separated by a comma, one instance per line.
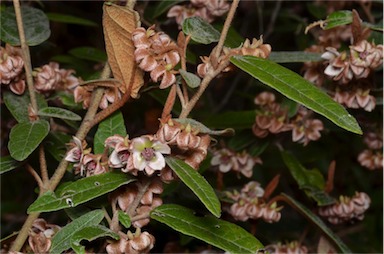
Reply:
x=347, y=208
x=305, y=129
x=293, y=247
x=356, y=95
x=156, y=53
x=272, y=118
x=11, y=68
x=143, y=153
x=40, y=235
x=134, y=243
x=250, y=204
x=185, y=140
x=364, y=57
x=255, y=48
x=50, y=77
x=349, y=71
x=208, y=10
x=149, y=200
x=85, y=163
x=227, y=160
x=372, y=158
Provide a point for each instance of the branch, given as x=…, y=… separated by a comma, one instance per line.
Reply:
x=26, y=55
x=224, y=32
x=61, y=169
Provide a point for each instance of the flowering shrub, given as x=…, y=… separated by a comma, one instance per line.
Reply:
x=196, y=126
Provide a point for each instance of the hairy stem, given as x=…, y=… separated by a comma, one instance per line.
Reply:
x=26, y=55
x=36, y=176
x=204, y=84
x=142, y=189
x=227, y=25
x=43, y=166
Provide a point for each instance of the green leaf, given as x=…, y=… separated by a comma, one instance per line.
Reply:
x=110, y=126
x=297, y=89
x=233, y=119
x=124, y=219
x=69, y=19
x=90, y=233
x=202, y=128
x=318, y=222
x=311, y=181
x=7, y=163
x=18, y=104
x=89, y=53
x=79, y=192
x=59, y=113
x=35, y=22
x=200, y=31
x=222, y=234
x=26, y=137
x=338, y=18
x=196, y=183
x=294, y=56
x=61, y=241
x=191, y=79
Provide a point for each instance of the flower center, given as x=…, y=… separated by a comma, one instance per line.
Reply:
x=148, y=153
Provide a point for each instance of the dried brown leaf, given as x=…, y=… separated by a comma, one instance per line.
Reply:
x=119, y=22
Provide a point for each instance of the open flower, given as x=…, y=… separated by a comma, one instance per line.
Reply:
x=148, y=154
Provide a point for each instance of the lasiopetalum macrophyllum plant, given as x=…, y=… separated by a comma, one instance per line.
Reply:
x=166, y=126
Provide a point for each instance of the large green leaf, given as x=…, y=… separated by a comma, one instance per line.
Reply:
x=200, y=31
x=25, y=137
x=294, y=56
x=112, y=125
x=18, y=104
x=79, y=192
x=222, y=234
x=59, y=113
x=297, y=89
x=69, y=19
x=318, y=222
x=90, y=233
x=35, y=22
x=196, y=183
x=311, y=181
x=61, y=241
x=7, y=163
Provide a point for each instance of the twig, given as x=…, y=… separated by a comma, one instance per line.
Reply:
x=43, y=166
x=26, y=55
x=204, y=84
x=224, y=32
x=273, y=19
x=140, y=217
x=142, y=189
x=36, y=176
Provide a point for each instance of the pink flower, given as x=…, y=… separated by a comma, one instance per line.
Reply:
x=148, y=154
